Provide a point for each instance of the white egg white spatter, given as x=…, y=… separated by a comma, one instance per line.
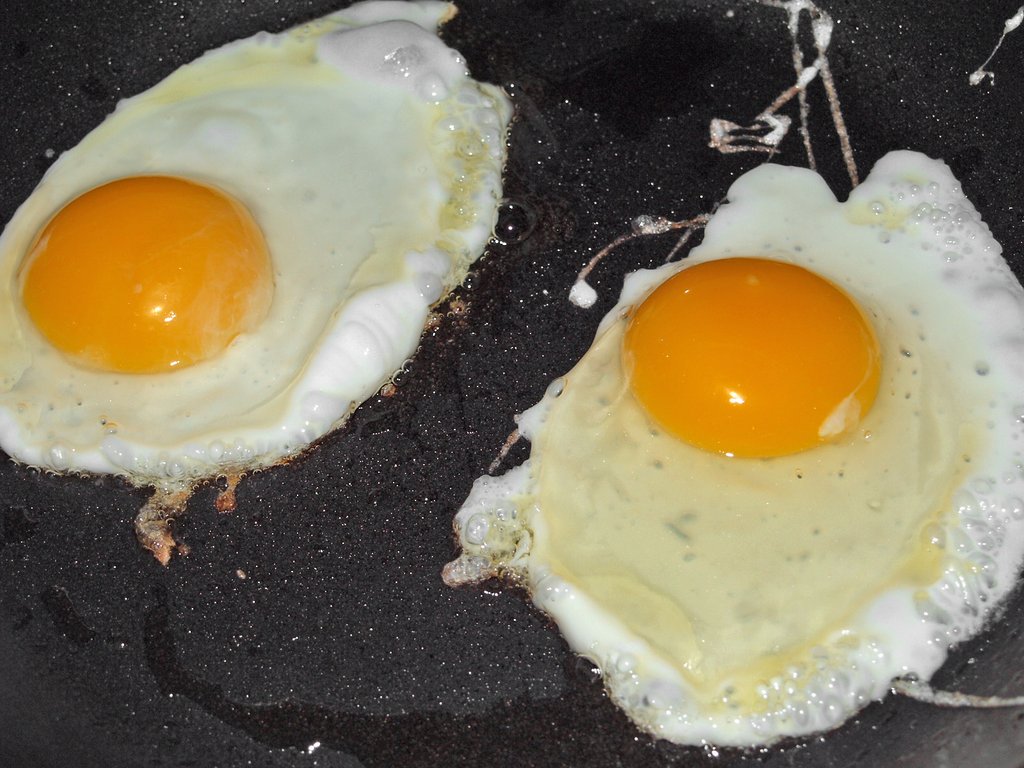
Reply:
x=732, y=593
x=358, y=168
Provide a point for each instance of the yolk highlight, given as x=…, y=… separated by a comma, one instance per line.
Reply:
x=147, y=274
x=752, y=357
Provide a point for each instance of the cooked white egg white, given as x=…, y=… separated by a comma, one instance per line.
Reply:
x=788, y=470
x=236, y=258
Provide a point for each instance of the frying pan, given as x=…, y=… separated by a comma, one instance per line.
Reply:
x=341, y=646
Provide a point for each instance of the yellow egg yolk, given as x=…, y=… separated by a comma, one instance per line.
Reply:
x=752, y=357
x=147, y=274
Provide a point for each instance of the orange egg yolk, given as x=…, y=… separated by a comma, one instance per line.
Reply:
x=147, y=274
x=752, y=358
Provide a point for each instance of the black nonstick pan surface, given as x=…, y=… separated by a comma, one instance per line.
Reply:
x=341, y=646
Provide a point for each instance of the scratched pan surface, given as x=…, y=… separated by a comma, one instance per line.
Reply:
x=342, y=647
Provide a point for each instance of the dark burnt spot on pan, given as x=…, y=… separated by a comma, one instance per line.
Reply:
x=94, y=88
x=22, y=617
x=16, y=526
x=18, y=50
x=66, y=618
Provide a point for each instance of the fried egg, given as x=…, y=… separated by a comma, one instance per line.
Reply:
x=237, y=257
x=788, y=470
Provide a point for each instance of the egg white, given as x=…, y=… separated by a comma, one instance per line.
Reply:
x=736, y=601
x=370, y=160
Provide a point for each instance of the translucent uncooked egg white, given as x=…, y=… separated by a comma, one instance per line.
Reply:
x=736, y=601
x=372, y=163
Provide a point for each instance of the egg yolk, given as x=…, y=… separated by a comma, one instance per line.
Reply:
x=752, y=357
x=147, y=274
